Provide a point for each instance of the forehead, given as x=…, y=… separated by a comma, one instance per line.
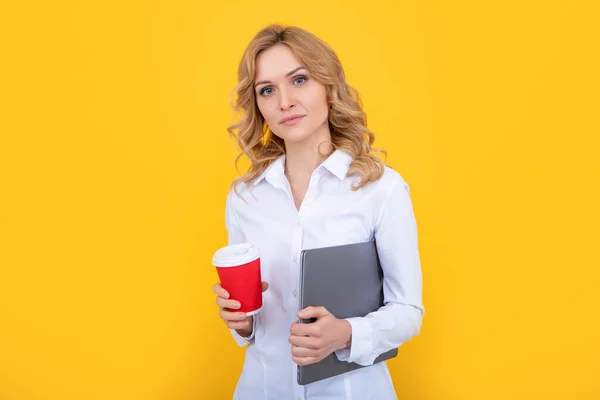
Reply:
x=275, y=62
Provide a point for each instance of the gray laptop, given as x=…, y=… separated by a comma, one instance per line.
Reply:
x=348, y=281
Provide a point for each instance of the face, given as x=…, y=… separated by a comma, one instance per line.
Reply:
x=292, y=103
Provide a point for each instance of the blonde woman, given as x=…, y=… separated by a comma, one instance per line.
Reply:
x=314, y=182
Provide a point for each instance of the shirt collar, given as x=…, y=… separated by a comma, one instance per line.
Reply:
x=274, y=170
x=338, y=163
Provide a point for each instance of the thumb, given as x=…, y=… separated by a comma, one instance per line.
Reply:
x=313, y=312
x=265, y=286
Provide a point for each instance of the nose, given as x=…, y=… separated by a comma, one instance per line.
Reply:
x=286, y=99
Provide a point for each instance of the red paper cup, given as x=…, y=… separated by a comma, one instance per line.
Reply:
x=238, y=267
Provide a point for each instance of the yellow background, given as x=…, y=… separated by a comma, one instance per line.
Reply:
x=115, y=163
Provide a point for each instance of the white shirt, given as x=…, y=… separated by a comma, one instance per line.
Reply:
x=330, y=214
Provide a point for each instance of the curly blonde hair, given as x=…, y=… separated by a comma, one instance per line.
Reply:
x=347, y=120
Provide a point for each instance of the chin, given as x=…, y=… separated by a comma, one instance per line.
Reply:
x=294, y=135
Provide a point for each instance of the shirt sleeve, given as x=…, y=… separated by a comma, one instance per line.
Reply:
x=235, y=235
x=401, y=316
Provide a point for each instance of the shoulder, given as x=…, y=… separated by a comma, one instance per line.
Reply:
x=393, y=188
x=236, y=193
x=392, y=177
x=240, y=196
x=390, y=180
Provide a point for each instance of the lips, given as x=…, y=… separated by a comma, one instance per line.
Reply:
x=291, y=120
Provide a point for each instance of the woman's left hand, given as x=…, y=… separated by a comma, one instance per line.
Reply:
x=313, y=342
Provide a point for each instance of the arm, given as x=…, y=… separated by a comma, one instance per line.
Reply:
x=235, y=236
x=401, y=316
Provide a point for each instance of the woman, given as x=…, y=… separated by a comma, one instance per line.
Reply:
x=314, y=182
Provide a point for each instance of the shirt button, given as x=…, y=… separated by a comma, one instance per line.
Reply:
x=298, y=223
x=295, y=258
x=295, y=293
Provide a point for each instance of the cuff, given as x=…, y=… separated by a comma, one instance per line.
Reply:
x=361, y=347
x=241, y=340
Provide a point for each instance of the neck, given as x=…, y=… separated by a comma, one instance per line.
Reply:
x=302, y=158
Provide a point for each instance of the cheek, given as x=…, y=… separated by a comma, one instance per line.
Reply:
x=270, y=114
x=266, y=109
x=319, y=107
x=318, y=102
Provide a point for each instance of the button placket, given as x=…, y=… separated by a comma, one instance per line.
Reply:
x=296, y=245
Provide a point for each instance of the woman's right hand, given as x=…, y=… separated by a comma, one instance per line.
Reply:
x=234, y=320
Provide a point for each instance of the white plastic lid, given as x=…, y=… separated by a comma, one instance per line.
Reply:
x=235, y=255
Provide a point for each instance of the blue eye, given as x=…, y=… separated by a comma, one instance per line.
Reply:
x=266, y=91
x=302, y=79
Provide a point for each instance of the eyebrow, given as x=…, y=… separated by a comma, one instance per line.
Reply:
x=286, y=75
